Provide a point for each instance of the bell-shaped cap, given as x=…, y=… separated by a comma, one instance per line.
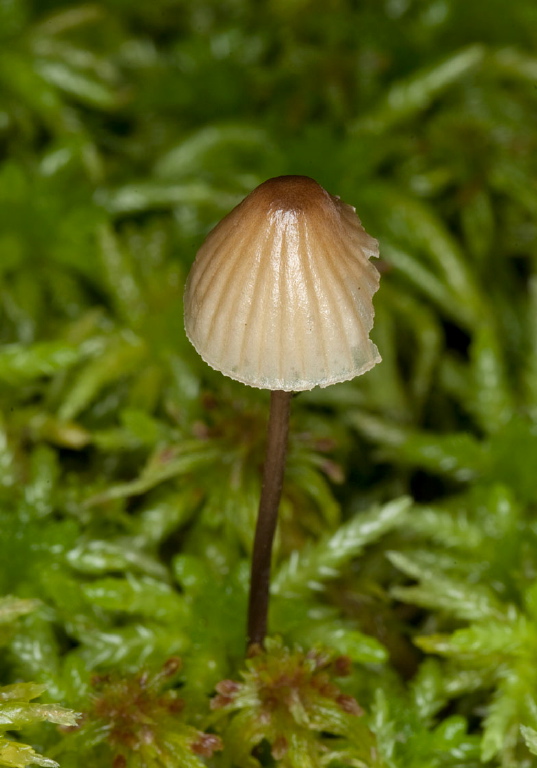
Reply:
x=280, y=294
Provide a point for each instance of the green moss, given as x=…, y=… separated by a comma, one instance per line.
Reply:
x=129, y=470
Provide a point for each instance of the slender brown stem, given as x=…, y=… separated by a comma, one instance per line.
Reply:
x=267, y=517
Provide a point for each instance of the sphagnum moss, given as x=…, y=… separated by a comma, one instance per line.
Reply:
x=129, y=475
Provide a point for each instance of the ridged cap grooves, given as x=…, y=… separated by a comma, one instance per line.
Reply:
x=280, y=293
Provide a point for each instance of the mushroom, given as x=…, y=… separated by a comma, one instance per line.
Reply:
x=280, y=297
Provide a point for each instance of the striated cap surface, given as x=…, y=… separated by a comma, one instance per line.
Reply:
x=280, y=293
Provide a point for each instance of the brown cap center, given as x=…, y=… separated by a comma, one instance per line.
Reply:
x=290, y=193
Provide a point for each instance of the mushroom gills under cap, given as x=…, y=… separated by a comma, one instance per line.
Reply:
x=280, y=293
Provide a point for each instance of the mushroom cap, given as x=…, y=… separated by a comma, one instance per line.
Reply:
x=280, y=294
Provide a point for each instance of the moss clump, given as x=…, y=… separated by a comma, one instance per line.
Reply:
x=129, y=472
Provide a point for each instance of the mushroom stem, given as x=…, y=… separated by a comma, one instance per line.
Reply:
x=267, y=517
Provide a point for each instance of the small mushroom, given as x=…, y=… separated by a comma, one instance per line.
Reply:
x=280, y=297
